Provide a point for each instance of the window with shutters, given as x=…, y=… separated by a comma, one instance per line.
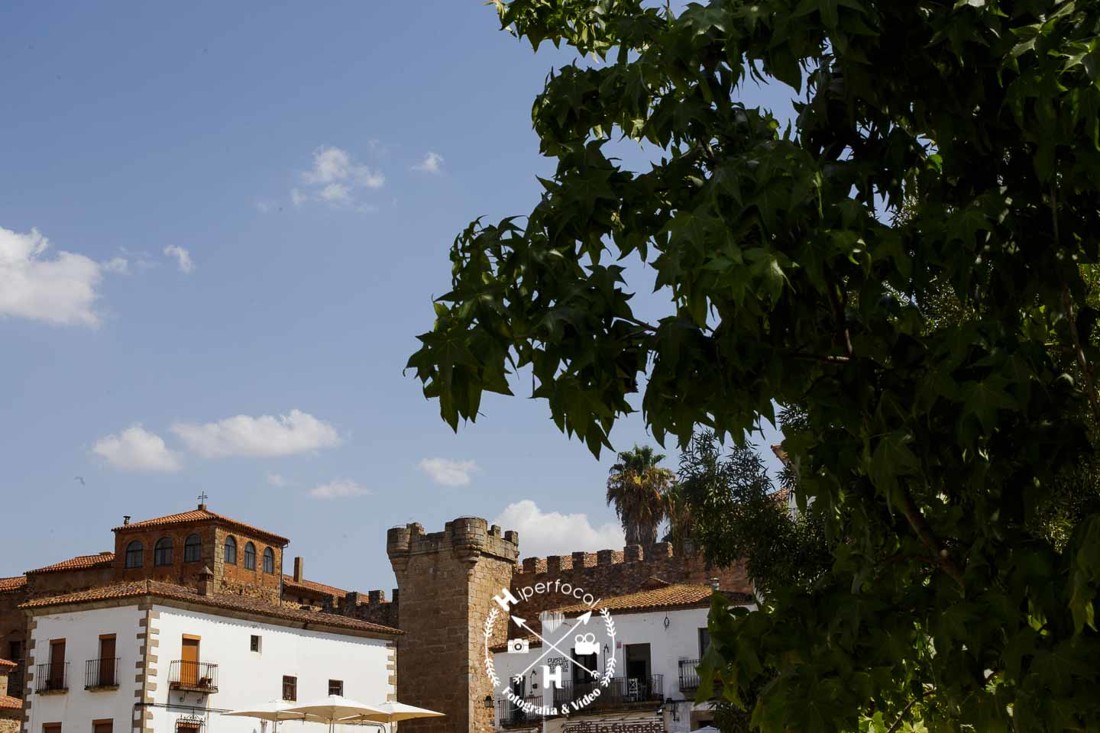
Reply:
x=336, y=687
x=51, y=728
x=103, y=726
x=290, y=688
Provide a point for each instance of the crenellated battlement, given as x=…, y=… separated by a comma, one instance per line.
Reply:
x=602, y=558
x=467, y=537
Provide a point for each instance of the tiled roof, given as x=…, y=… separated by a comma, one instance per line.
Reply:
x=677, y=595
x=80, y=562
x=12, y=583
x=157, y=589
x=314, y=587
x=7, y=702
x=201, y=515
x=7, y=664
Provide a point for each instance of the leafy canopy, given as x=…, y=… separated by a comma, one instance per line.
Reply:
x=943, y=152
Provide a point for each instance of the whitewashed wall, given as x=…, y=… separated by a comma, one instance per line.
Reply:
x=247, y=678
x=81, y=631
x=244, y=677
x=667, y=646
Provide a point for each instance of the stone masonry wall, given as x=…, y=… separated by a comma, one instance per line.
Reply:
x=446, y=581
x=612, y=572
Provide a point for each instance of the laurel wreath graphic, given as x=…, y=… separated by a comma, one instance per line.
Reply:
x=490, y=667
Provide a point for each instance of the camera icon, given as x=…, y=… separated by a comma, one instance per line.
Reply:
x=519, y=646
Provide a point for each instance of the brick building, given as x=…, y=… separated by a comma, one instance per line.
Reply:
x=446, y=584
x=11, y=708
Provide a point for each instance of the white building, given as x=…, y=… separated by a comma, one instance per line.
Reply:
x=660, y=635
x=151, y=656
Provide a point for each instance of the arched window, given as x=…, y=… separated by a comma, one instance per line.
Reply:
x=231, y=550
x=192, y=549
x=162, y=551
x=269, y=560
x=135, y=554
x=250, y=556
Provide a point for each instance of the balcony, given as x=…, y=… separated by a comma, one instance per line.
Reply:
x=101, y=674
x=51, y=678
x=201, y=677
x=510, y=714
x=689, y=676
x=620, y=692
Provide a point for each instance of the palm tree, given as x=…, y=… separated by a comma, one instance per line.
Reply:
x=637, y=488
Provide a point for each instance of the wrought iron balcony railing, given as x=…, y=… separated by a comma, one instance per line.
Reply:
x=509, y=713
x=101, y=673
x=619, y=692
x=51, y=677
x=193, y=676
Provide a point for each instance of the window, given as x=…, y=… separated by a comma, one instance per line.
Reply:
x=704, y=642
x=15, y=651
x=192, y=549
x=290, y=688
x=250, y=556
x=254, y=644
x=269, y=560
x=135, y=554
x=231, y=550
x=103, y=726
x=189, y=725
x=105, y=672
x=162, y=551
x=336, y=687
x=55, y=676
x=51, y=728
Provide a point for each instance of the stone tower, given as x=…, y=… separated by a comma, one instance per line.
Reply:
x=447, y=581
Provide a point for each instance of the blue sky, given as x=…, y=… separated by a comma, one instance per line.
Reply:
x=221, y=227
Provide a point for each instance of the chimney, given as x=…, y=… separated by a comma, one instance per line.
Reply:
x=298, y=570
x=125, y=519
x=714, y=584
x=206, y=581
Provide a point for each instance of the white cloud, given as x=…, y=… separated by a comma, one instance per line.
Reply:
x=277, y=480
x=263, y=436
x=61, y=290
x=339, y=489
x=446, y=472
x=117, y=265
x=182, y=257
x=335, y=178
x=136, y=449
x=432, y=163
x=553, y=533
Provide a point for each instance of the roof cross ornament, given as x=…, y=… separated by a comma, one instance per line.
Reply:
x=202, y=500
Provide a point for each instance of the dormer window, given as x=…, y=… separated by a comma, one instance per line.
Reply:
x=135, y=554
x=192, y=549
x=269, y=560
x=250, y=556
x=162, y=551
x=230, y=551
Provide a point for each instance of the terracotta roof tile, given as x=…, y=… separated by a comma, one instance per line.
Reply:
x=157, y=589
x=309, y=585
x=677, y=595
x=200, y=515
x=80, y=562
x=19, y=581
x=7, y=664
x=7, y=702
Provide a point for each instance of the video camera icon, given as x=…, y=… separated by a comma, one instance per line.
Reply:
x=519, y=646
x=585, y=644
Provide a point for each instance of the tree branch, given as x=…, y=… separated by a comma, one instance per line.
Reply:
x=920, y=525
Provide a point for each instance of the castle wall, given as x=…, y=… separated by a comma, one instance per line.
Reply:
x=447, y=580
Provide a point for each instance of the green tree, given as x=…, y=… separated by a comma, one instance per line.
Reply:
x=941, y=150
x=637, y=487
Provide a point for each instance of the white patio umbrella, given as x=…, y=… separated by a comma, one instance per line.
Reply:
x=392, y=712
x=276, y=710
x=706, y=729
x=334, y=709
